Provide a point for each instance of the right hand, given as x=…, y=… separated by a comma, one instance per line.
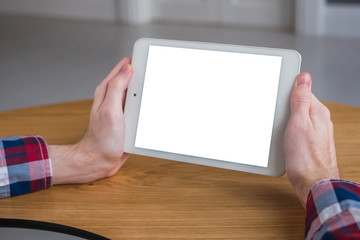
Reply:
x=309, y=140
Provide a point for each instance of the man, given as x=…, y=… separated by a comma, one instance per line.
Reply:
x=309, y=152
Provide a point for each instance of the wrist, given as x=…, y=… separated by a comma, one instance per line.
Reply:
x=302, y=193
x=303, y=190
x=70, y=164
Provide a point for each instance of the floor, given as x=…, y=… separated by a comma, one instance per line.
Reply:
x=45, y=61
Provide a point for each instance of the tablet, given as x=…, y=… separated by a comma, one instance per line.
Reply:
x=211, y=104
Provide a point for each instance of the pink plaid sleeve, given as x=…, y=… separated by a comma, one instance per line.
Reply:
x=24, y=165
x=333, y=210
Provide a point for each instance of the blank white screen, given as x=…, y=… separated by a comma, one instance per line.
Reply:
x=211, y=104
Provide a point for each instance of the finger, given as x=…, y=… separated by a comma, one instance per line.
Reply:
x=116, y=90
x=117, y=68
x=301, y=96
x=101, y=89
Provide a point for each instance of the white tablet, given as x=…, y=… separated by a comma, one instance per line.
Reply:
x=218, y=105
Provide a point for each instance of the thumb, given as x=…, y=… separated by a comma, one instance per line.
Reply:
x=301, y=96
x=116, y=88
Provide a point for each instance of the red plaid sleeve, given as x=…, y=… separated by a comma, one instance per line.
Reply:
x=25, y=165
x=333, y=210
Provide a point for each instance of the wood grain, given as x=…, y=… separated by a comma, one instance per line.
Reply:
x=153, y=198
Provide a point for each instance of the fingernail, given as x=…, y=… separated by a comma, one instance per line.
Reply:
x=126, y=69
x=303, y=80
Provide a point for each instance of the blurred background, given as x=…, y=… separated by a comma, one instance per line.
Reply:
x=60, y=50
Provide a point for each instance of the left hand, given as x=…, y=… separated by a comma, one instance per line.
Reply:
x=100, y=152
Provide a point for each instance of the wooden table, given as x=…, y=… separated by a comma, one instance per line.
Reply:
x=152, y=198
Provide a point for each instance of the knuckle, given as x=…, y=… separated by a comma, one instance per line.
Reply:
x=116, y=83
x=301, y=96
x=110, y=117
x=300, y=101
x=303, y=99
x=325, y=112
x=105, y=115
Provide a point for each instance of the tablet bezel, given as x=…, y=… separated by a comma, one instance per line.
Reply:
x=290, y=68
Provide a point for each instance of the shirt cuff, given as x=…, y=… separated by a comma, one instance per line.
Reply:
x=332, y=208
x=25, y=165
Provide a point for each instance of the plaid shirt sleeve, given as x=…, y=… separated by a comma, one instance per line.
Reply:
x=333, y=210
x=24, y=165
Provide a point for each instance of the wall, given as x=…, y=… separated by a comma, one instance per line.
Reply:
x=321, y=18
x=79, y=9
x=253, y=13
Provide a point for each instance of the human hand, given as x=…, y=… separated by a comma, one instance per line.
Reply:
x=309, y=140
x=100, y=152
